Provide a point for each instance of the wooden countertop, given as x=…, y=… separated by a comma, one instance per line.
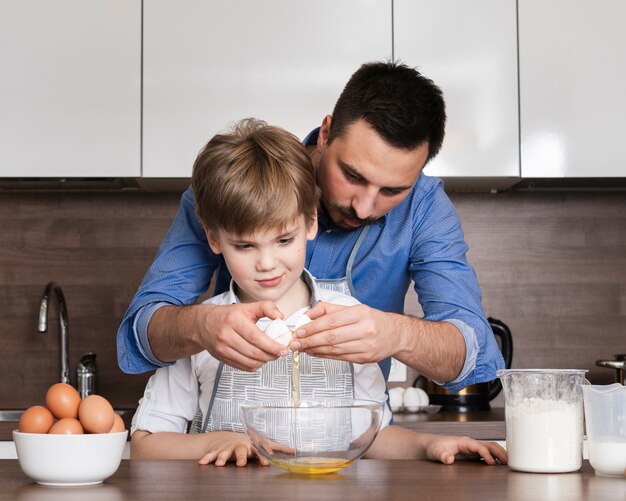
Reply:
x=367, y=479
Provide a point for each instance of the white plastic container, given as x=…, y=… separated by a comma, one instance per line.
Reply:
x=605, y=413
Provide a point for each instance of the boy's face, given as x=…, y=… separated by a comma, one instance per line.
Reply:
x=266, y=264
x=361, y=176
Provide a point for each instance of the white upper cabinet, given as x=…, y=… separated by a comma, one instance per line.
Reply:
x=572, y=88
x=469, y=49
x=70, y=88
x=209, y=63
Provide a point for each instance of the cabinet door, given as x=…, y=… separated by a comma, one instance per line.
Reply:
x=70, y=84
x=469, y=49
x=572, y=81
x=209, y=63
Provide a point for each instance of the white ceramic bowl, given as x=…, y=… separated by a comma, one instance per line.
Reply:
x=69, y=459
x=319, y=436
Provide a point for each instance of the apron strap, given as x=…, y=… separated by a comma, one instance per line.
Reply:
x=218, y=375
x=355, y=249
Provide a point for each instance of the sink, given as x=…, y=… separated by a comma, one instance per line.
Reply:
x=15, y=414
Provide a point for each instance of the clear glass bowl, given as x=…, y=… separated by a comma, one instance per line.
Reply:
x=319, y=436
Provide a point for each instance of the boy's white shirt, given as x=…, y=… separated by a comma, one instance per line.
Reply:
x=172, y=394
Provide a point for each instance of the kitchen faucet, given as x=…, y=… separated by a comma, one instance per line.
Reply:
x=63, y=324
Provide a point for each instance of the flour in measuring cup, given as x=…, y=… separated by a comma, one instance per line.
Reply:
x=544, y=435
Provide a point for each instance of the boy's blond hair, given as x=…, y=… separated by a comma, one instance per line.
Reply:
x=256, y=176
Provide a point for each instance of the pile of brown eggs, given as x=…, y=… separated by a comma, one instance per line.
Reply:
x=65, y=412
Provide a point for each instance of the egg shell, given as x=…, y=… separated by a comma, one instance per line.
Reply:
x=96, y=414
x=304, y=319
x=63, y=401
x=67, y=426
x=279, y=331
x=35, y=419
x=118, y=424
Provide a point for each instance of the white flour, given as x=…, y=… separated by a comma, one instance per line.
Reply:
x=544, y=435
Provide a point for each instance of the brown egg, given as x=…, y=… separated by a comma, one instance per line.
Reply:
x=68, y=425
x=118, y=424
x=96, y=414
x=63, y=401
x=35, y=419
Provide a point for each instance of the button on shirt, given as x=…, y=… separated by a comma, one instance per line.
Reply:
x=420, y=240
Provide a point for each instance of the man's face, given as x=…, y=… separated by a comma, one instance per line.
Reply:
x=361, y=176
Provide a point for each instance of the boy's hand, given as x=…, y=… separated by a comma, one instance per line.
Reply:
x=230, y=334
x=226, y=446
x=445, y=448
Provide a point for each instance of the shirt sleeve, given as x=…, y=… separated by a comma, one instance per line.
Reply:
x=369, y=384
x=179, y=274
x=447, y=286
x=169, y=401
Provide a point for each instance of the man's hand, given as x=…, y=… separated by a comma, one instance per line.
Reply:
x=361, y=334
x=228, y=332
x=357, y=334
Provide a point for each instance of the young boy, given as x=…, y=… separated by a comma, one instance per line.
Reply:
x=256, y=198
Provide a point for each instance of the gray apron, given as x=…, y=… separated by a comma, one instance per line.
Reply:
x=344, y=284
x=320, y=378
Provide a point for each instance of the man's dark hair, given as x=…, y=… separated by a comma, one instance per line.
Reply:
x=405, y=108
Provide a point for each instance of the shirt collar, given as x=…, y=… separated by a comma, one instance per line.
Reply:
x=311, y=137
x=231, y=295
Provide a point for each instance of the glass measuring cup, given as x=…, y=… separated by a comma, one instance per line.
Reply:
x=544, y=419
x=605, y=418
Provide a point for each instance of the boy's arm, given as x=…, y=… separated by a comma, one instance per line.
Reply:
x=395, y=442
x=214, y=447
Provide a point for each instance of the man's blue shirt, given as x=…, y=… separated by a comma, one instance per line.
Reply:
x=420, y=240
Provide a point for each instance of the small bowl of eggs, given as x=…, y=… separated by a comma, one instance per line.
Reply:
x=70, y=441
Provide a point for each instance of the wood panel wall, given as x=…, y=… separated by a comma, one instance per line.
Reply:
x=552, y=266
x=96, y=246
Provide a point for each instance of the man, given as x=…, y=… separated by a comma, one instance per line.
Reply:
x=382, y=224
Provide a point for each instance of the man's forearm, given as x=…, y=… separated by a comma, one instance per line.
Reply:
x=172, y=332
x=434, y=349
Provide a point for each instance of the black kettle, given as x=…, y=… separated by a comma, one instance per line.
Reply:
x=475, y=397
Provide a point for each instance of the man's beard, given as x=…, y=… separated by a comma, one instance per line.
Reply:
x=347, y=212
